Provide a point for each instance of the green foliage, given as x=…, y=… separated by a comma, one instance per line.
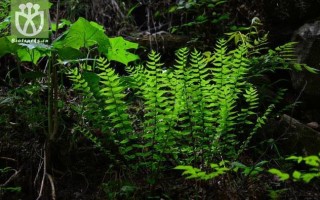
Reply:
x=313, y=162
x=103, y=104
x=119, y=50
x=282, y=176
x=79, y=41
x=195, y=173
x=4, y=19
x=118, y=190
x=7, y=47
x=11, y=189
x=85, y=34
x=256, y=41
x=61, y=25
x=191, y=113
x=252, y=36
x=26, y=103
x=221, y=168
x=74, y=43
x=253, y=170
x=198, y=13
x=4, y=24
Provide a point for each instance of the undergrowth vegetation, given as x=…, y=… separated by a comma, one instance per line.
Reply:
x=200, y=112
x=193, y=112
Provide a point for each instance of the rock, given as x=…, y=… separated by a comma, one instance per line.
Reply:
x=299, y=138
x=314, y=125
x=308, y=52
x=160, y=40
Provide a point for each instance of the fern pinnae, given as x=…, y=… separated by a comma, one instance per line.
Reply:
x=113, y=92
x=252, y=100
x=221, y=63
x=180, y=76
x=240, y=67
x=203, y=90
x=226, y=116
x=184, y=99
x=91, y=103
x=259, y=123
x=155, y=92
x=138, y=78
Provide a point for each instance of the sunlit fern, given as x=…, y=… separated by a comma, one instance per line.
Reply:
x=201, y=108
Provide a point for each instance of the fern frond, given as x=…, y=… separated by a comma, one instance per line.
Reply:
x=91, y=102
x=227, y=115
x=180, y=80
x=287, y=52
x=114, y=93
x=259, y=45
x=252, y=100
x=158, y=108
x=221, y=62
x=259, y=123
x=239, y=69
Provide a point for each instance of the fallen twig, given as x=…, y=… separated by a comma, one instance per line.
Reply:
x=13, y=176
x=44, y=173
x=53, y=191
x=10, y=159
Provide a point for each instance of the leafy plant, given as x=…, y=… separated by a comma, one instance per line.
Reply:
x=4, y=24
x=262, y=57
x=200, y=20
x=4, y=9
x=78, y=42
x=313, y=162
x=282, y=176
x=116, y=190
x=82, y=35
x=195, y=173
x=221, y=168
x=190, y=113
x=198, y=12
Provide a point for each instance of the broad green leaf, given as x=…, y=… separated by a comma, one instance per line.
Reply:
x=32, y=52
x=119, y=50
x=69, y=53
x=7, y=47
x=83, y=34
x=29, y=55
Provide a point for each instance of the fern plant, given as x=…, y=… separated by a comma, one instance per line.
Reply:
x=262, y=57
x=199, y=109
x=202, y=102
x=103, y=103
